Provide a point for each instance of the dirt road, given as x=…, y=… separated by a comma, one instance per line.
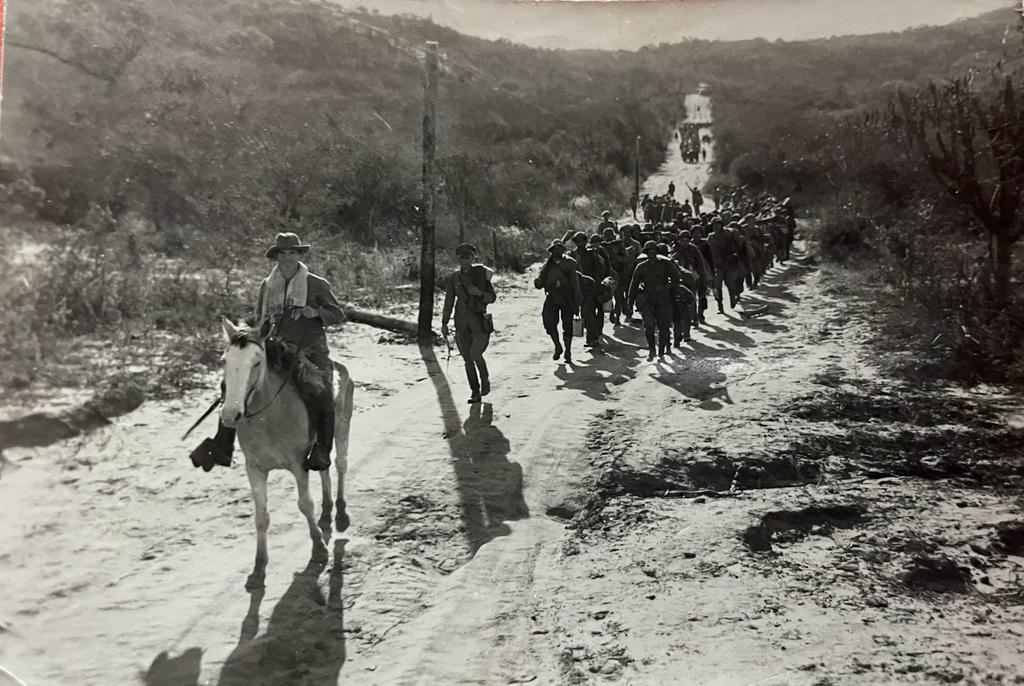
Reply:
x=728, y=516
x=684, y=175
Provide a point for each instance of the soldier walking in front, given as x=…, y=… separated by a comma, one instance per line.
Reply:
x=559, y=279
x=469, y=293
x=651, y=289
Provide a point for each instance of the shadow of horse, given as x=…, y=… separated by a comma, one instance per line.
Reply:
x=490, y=486
x=305, y=638
x=182, y=670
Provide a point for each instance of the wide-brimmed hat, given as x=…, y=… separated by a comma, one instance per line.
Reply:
x=556, y=246
x=609, y=235
x=650, y=245
x=579, y=236
x=606, y=214
x=465, y=249
x=287, y=241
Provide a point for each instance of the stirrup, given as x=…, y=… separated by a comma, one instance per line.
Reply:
x=315, y=460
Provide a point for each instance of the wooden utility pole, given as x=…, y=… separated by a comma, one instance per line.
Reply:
x=428, y=246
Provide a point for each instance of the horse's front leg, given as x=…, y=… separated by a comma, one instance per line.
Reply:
x=258, y=482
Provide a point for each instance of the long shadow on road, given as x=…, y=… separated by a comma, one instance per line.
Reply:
x=697, y=374
x=696, y=377
x=305, y=638
x=304, y=642
x=490, y=486
x=612, y=366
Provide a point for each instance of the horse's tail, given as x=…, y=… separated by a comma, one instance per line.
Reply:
x=344, y=391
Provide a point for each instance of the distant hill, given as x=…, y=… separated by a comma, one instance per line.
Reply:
x=206, y=114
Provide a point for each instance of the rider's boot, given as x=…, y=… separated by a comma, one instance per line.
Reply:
x=216, y=450
x=321, y=419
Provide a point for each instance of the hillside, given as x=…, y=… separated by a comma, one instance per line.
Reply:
x=252, y=114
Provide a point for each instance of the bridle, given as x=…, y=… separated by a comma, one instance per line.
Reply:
x=252, y=389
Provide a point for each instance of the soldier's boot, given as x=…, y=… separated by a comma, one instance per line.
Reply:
x=558, y=348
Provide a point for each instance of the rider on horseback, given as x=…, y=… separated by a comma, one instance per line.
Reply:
x=293, y=307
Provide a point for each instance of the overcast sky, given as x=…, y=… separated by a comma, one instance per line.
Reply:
x=630, y=24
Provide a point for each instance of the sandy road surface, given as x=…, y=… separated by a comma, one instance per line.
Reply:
x=120, y=564
x=683, y=174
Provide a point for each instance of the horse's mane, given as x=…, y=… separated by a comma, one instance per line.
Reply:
x=241, y=338
x=280, y=356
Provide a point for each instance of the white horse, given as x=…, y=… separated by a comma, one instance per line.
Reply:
x=263, y=404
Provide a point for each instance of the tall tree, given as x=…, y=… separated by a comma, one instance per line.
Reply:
x=972, y=140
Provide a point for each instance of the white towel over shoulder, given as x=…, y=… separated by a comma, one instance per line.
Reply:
x=281, y=295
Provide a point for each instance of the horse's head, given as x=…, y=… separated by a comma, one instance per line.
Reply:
x=245, y=369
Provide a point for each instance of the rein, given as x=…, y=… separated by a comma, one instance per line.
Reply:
x=206, y=414
x=284, y=381
x=249, y=415
x=220, y=399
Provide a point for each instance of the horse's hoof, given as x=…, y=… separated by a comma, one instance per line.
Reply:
x=324, y=523
x=341, y=521
x=255, y=581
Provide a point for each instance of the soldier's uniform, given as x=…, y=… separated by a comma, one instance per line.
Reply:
x=651, y=290
x=472, y=332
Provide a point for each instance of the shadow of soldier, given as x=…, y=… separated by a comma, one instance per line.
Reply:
x=596, y=377
x=305, y=638
x=490, y=486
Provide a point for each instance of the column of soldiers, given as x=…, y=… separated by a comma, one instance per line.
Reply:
x=690, y=146
x=664, y=270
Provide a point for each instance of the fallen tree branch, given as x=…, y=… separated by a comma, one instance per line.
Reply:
x=379, y=321
x=700, y=492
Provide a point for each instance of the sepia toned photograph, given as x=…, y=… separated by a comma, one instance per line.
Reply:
x=554, y=342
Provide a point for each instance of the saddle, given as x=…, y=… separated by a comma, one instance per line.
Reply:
x=285, y=356
x=311, y=382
